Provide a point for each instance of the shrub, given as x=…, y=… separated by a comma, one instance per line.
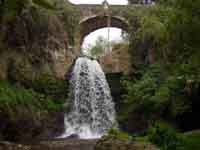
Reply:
x=164, y=136
x=162, y=93
x=49, y=85
x=118, y=134
x=143, y=94
x=16, y=100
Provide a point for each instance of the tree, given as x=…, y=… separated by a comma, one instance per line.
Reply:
x=99, y=48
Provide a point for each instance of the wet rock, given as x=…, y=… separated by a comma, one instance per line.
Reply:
x=106, y=143
x=73, y=136
x=135, y=123
x=113, y=143
x=59, y=144
x=27, y=129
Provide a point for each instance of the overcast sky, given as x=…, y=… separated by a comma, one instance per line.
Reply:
x=121, y=2
x=115, y=35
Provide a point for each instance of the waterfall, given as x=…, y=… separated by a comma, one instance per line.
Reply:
x=92, y=110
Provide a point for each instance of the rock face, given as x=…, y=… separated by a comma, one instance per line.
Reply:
x=27, y=129
x=33, y=42
x=135, y=123
x=116, y=87
x=51, y=145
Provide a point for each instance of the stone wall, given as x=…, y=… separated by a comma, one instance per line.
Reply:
x=119, y=60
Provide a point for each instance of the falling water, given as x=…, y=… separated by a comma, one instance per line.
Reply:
x=91, y=111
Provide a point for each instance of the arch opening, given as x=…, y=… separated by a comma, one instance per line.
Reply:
x=94, y=23
x=105, y=38
x=115, y=56
x=112, y=53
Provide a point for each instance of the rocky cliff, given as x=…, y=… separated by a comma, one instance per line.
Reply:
x=35, y=41
x=34, y=57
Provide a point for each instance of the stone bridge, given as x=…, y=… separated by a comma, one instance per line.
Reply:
x=94, y=17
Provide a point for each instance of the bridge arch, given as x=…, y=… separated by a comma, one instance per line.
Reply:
x=96, y=22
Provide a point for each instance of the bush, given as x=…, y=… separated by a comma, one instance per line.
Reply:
x=162, y=92
x=49, y=85
x=16, y=100
x=164, y=136
x=26, y=115
x=43, y=82
x=191, y=140
x=143, y=94
x=118, y=134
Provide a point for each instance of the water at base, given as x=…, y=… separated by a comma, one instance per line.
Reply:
x=91, y=111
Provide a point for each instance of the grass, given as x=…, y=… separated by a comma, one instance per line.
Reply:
x=191, y=140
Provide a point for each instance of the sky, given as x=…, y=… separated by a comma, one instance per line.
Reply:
x=121, y=2
x=115, y=35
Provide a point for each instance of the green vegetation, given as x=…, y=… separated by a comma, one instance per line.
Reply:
x=31, y=97
x=165, y=49
x=158, y=92
x=13, y=8
x=102, y=45
x=25, y=114
x=191, y=140
x=39, y=12
x=167, y=74
x=99, y=48
x=42, y=82
x=49, y=85
x=165, y=81
x=167, y=138
x=164, y=136
x=16, y=100
x=118, y=134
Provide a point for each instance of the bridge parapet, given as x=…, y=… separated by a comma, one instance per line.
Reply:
x=88, y=10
